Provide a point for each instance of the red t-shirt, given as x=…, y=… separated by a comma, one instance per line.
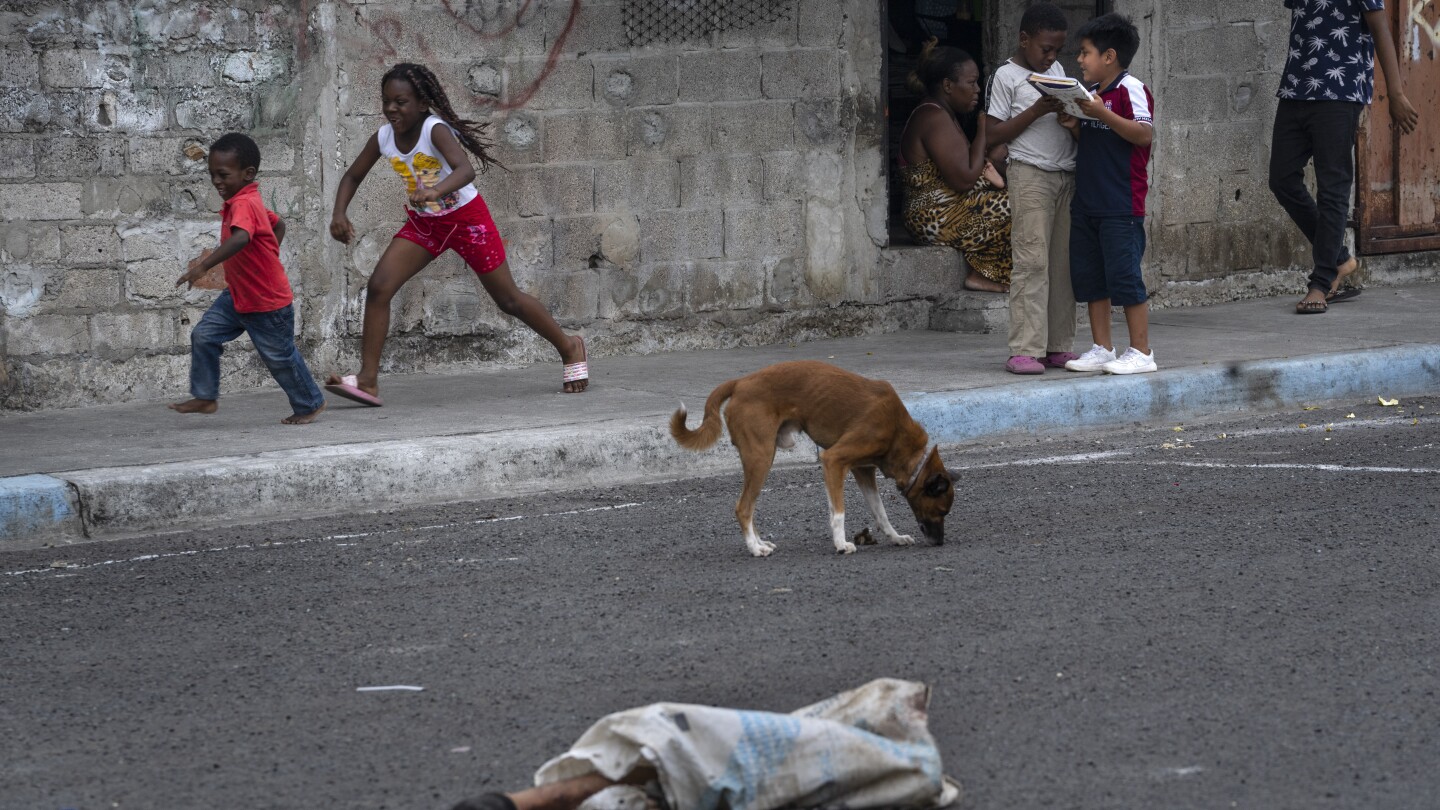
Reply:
x=255, y=276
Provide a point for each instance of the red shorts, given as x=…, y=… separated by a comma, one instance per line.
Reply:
x=468, y=230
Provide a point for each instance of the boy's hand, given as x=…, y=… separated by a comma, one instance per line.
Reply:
x=1068, y=121
x=1403, y=113
x=1046, y=105
x=1092, y=107
x=194, y=271
x=341, y=230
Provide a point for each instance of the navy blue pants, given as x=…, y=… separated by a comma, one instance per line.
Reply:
x=1105, y=255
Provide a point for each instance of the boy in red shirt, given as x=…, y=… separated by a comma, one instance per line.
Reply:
x=258, y=301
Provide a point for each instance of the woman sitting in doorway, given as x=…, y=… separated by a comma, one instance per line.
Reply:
x=953, y=195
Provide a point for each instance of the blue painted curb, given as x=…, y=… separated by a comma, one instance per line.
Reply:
x=34, y=507
x=1092, y=400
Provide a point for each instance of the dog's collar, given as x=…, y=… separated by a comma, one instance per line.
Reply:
x=915, y=476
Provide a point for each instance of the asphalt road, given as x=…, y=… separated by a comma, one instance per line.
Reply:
x=1241, y=613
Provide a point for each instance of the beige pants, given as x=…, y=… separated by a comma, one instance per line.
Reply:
x=1042, y=305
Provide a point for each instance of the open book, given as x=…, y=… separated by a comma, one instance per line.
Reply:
x=1064, y=88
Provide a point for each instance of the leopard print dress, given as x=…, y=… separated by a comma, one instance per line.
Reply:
x=976, y=223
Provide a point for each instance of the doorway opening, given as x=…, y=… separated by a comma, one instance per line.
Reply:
x=908, y=25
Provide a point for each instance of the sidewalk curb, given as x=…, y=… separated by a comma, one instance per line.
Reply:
x=38, y=506
x=36, y=510
x=1089, y=400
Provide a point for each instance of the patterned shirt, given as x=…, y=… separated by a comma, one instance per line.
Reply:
x=1332, y=54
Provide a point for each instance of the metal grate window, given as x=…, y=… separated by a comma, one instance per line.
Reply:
x=654, y=21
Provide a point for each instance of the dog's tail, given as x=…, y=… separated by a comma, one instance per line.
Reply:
x=708, y=433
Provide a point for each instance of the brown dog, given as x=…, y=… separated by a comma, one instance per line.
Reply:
x=861, y=426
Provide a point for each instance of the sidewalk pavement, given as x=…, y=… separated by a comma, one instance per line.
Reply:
x=105, y=472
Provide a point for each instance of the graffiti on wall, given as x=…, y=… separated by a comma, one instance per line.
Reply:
x=1421, y=24
x=392, y=41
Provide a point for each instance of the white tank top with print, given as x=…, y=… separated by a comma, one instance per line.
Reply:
x=427, y=164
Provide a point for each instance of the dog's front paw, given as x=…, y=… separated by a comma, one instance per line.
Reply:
x=902, y=539
x=845, y=547
x=762, y=548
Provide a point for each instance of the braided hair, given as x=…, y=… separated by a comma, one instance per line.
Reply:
x=472, y=134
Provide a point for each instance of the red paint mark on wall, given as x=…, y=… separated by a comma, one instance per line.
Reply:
x=391, y=43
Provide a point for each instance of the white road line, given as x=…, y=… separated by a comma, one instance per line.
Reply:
x=1321, y=467
x=329, y=537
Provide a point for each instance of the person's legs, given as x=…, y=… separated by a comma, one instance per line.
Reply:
x=1122, y=240
x=1087, y=276
x=1031, y=206
x=400, y=262
x=273, y=334
x=1324, y=130
x=1333, y=137
x=1060, y=309
x=512, y=301
x=218, y=326
x=1290, y=151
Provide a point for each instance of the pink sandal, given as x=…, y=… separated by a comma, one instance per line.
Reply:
x=575, y=372
x=349, y=388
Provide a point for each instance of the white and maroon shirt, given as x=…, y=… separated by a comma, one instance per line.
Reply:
x=1110, y=172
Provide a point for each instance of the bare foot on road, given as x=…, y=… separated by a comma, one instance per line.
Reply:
x=302, y=418
x=194, y=406
x=978, y=283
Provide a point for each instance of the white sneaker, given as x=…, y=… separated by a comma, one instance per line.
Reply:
x=1092, y=360
x=1133, y=361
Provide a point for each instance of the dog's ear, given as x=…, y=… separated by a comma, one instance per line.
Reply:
x=937, y=484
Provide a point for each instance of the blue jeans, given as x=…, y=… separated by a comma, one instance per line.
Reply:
x=273, y=334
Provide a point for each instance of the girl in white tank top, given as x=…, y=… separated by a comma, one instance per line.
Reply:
x=425, y=164
x=425, y=143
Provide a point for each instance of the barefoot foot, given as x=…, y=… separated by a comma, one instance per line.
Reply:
x=195, y=406
x=978, y=283
x=1343, y=273
x=302, y=418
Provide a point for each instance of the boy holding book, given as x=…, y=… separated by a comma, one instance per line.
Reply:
x=1041, y=177
x=1107, y=223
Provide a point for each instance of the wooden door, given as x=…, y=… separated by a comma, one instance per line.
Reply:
x=1398, y=205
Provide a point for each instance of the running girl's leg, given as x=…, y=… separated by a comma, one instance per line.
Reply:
x=400, y=262
x=512, y=301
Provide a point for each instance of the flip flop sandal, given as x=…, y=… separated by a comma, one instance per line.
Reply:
x=1343, y=294
x=575, y=372
x=350, y=389
x=1311, y=308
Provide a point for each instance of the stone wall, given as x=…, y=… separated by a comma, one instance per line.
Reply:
x=1216, y=225
x=713, y=191
x=106, y=109
x=719, y=190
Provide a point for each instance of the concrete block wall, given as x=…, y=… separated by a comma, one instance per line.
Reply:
x=105, y=115
x=1216, y=231
x=715, y=191
x=657, y=194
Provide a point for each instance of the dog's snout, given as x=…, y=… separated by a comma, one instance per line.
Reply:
x=935, y=530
